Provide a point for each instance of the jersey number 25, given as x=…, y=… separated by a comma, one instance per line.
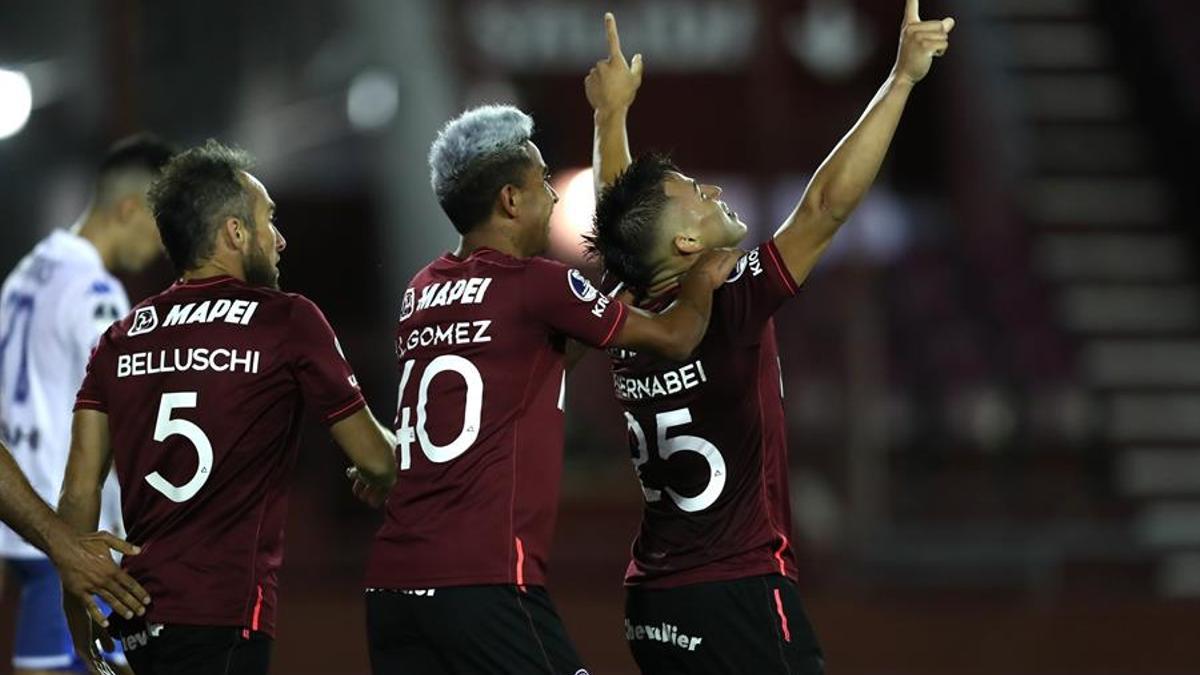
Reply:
x=666, y=421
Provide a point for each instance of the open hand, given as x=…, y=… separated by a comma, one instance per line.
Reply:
x=714, y=266
x=86, y=568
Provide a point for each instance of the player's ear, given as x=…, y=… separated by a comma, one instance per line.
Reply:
x=686, y=244
x=233, y=232
x=127, y=208
x=510, y=200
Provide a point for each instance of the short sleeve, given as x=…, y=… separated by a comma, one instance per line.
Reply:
x=755, y=290
x=326, y=380
x=89, y=309
x=93, y=393
x=563, y=298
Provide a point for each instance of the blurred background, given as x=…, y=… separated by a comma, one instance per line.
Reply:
x=992, y=379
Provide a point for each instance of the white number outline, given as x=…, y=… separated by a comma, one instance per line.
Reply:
x=664, y=422
x=472, y=411
x=164, y=428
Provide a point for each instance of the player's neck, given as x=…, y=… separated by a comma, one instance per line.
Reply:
x=667, y=277
x=214, y=268
x=94, y=229
x=485, y=237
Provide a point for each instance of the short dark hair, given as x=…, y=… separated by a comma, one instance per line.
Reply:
x=625, y=227
x=145, y=151
x=473, y=196
x=199, y=188
x=130, y=164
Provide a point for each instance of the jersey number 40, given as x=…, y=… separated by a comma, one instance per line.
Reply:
x=408, y=432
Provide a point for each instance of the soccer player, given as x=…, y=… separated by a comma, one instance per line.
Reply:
x=196, y=397
x=83, y=560
x=53, y=307
x=711, y=585
x=455, y=577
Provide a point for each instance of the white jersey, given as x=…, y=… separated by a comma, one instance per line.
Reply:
x=53, y=308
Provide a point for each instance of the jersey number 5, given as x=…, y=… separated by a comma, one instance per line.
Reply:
x=681, y=443
x=472, y=411
x=164, y=428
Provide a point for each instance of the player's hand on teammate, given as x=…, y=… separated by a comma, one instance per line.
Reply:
x=613, y=82
x=713, y=267
x=87, y=568
x=920, y=42
x=374, y=496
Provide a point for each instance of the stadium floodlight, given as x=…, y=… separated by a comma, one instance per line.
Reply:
x=572, y=217
x=578, y=201
x=16, y=102
x=372, y=100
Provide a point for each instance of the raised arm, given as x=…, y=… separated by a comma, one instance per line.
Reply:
x=676, y=332
x=611, y=87
x=845, y=176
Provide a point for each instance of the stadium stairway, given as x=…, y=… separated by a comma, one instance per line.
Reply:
x=1108, y=241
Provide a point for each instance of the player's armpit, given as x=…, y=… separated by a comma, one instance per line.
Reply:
x=804, y=237
x=370, y=446
x=576, y=350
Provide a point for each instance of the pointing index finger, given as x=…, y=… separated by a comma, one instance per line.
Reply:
x=912, y=11
x=614, y=40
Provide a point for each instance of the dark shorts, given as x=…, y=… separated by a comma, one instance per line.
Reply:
x=753, y=625
x=173, y=649
x=489, y=630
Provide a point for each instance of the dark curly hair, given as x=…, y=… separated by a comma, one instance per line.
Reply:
x=625, y=228
x=198, y=190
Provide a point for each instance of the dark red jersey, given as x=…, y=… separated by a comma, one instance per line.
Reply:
x=709, y=440
x=204, y=386
x=480, y=418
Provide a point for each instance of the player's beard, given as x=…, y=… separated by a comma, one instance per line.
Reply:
x=258, y=268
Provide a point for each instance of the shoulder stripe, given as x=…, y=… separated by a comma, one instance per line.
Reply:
x=359, y=400
x=612, y=332
x=784, y=274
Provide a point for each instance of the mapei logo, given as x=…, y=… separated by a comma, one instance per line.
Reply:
x=145, y=319
x=409, y=304
x=580, y=286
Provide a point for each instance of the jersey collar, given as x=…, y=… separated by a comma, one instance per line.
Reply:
x=204, y=281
